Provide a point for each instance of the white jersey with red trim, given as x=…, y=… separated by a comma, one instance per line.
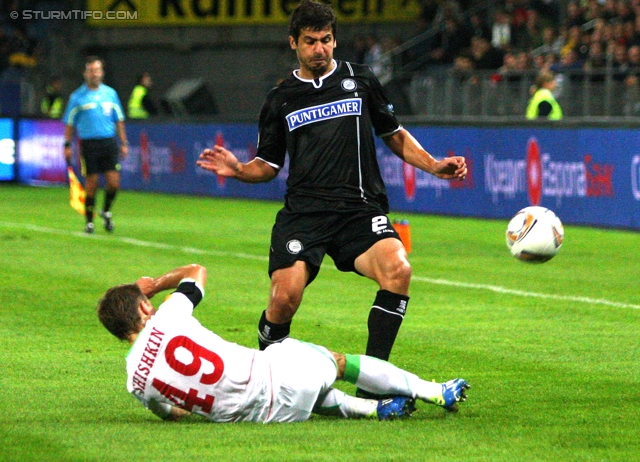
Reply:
x=177, y=361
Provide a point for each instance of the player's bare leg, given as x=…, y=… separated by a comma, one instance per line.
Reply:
x=113, y=185
x=386, y=263
x=287, y=288
x=90, y=188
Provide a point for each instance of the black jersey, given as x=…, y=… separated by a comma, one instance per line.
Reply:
x=326, y=126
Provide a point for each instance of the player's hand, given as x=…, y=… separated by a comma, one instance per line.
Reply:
x=68, y=155
x=147, y=286
x=124, y=150
x=220, y=161
x=451, y=168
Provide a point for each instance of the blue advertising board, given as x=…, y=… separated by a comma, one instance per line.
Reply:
x=7, y=150
x=162, y=158
x=40, y=157
x=588, y=176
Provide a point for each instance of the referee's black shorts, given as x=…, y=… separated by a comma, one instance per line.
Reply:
x=344, y=235
x=99, y=155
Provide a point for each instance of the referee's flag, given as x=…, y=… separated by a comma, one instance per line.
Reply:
x=76, y=192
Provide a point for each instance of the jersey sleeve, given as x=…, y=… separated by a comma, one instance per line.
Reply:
x=70, y=111
x=192, y=290
x=117, y=106
x=383, y=118
x=184, y=299
x=272, y=145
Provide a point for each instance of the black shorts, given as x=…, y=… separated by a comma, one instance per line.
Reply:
x=344, y=235
x=99, y=156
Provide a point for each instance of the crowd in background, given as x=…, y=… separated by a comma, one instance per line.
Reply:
x=505, y=38
x=521, y=35
x=20, y=40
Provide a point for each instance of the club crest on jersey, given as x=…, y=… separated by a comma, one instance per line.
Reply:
x=309, y=115
x=294, y=246
x=349, y=84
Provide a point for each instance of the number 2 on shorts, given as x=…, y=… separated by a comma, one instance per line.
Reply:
x=379, y=223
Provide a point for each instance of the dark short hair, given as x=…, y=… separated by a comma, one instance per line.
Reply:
x=92, y=59
x=118, y=310
x=141, y=76
x=313, y=15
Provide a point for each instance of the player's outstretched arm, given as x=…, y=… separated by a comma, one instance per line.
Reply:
x=405, y=146
x=167, y=411
x=223, y=162
x=151, y=286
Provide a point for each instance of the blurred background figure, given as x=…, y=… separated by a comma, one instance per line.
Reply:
x=542, y=103
x=141, y=105
x=52, y=105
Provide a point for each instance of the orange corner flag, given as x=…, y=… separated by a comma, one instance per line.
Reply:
x=76, y=192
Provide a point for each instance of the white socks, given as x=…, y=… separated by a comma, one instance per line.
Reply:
x=383, y=378
x=338, y=403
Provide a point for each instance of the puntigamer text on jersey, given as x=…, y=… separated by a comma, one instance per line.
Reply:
x=345, y=107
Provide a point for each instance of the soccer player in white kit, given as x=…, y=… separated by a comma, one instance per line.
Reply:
x=176, y=366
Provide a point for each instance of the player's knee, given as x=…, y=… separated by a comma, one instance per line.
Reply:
x=341, y=362
x=400, y=271
x=396, y=276
x=283, y=305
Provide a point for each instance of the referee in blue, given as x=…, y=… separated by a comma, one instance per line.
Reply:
x=94, y=112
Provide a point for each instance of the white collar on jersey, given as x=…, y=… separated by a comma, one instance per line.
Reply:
x=317, y=83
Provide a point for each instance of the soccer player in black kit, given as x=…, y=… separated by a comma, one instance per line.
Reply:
x=324, y=116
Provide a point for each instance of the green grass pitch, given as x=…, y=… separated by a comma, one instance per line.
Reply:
x=552, y=351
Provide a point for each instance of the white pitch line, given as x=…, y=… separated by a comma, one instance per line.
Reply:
x=221, y=253
x=524, y=293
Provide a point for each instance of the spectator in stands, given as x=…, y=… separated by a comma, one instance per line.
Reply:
x=568, y=62
x=596, y=59
x=484, y=55
x=509, y=71
x=542, y=103
x=428, y=13
x=52, y=105
x=552, y=42
x=574, y=15
x=609, y=10
x=624, y=13
x=549, y=9
x=509, y=64
x=620, y=63
x=449, y=9
x=628, y=31
x=141, y=105
x=592, y=11
x=632, y=82
x=463, y=68
x=633, y=57
x=573, y=40
x=501, y=35
x=373, y=54
x=529, y=36
x=478, y=27
x=523, y=61
x=448, y=43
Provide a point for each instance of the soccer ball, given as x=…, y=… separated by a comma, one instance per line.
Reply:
x=534, y=235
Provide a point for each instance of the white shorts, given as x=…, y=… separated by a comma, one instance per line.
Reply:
x=300, y=373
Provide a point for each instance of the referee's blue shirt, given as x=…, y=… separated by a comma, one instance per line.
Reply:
x=94, y=113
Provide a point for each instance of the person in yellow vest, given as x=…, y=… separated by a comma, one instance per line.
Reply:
x=141, y=106
x=542, y=103
x=52, y=105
